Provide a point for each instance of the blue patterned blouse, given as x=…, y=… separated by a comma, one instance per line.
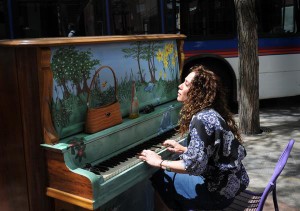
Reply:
x=215, y=154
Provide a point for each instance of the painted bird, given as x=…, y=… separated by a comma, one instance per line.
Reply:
x=149, y=87
x=104, y=84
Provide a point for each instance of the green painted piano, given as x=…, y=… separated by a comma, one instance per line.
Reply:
x=89, y=170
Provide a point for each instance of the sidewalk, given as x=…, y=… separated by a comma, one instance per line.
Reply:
x=281, y=122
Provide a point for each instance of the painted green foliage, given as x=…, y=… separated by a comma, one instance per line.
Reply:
x=71, y=71
x=72, y=66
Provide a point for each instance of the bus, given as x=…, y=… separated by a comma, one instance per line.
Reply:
x=212, y=40
x=210, y=27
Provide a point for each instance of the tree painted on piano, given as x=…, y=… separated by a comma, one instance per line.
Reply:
x=144, y=50
x=71, y=71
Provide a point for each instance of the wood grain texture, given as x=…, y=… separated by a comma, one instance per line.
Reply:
x=45, y=76
x=180, y=43
x=12, y=164
x=22, y=166
x=61, y=178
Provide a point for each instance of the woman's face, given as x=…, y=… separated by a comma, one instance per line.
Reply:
x=184, y=87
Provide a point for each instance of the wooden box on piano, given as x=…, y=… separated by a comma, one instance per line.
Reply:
x=83, y=169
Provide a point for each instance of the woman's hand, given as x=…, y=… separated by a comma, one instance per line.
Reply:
x=152, y=158
x=174, y=146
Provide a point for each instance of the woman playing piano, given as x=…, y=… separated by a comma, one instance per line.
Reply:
x=209, y=173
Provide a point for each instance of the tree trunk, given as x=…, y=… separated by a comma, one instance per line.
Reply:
x=248, y=66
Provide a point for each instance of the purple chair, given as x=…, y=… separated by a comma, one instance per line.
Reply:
x=248, y=200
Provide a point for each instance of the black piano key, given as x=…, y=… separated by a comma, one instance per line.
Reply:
x=91, y=168
x=102, y=168
x=109, y=164
x=87, y=166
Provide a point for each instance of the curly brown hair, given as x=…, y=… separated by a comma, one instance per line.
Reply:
x=206, y=92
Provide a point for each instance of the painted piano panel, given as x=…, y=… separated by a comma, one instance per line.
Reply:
x=151, y=65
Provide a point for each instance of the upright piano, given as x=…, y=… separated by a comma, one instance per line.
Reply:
x=87, y=170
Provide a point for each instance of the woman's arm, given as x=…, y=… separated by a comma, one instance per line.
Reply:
x=155, y=160
x=175, y=166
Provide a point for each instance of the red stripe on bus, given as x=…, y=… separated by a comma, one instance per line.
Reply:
x=234, y=53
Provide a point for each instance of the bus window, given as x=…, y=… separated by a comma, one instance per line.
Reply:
x=172, y=16
x=208, y=18
x=288, y=18
x=134, y=17
x=100, y=18
x=277, y=17
x=27, y=25
x=3, y=27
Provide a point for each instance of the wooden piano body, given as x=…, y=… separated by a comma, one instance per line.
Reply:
x=63, y=68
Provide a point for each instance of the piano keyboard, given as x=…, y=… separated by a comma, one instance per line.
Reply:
x=125, y=160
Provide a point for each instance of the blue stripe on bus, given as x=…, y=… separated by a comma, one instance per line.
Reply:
x=210, y=45
x=279, y=42
x=233, y=44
